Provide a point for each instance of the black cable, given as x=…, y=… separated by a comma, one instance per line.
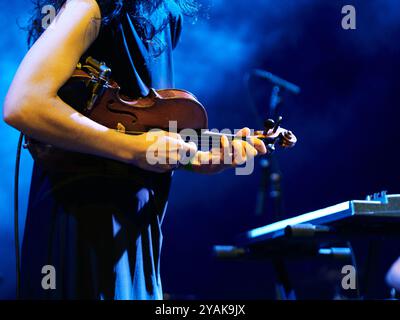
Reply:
x=16, y=220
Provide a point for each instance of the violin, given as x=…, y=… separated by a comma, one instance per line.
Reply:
x=92, y=92
x=156, y=110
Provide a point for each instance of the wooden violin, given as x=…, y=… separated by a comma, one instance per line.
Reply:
x=107, y=106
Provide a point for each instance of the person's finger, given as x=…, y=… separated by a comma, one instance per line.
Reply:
x=204, y=158
x=224, y=142
x=247, y=148
x=187, y=151
x=170, y=148
x=250, y=150
x=190, y=147
x=243, y=132
x=253, y=141
x=172, y=144
x=259, y=145
x=176, y=143
x=239, y=153
x=226, y=154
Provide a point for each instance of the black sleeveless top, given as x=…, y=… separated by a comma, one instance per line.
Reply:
x=102, y=231
x=136, y=64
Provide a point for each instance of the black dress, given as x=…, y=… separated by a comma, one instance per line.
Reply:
x=101, y=228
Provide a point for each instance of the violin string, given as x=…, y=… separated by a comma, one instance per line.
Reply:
x=204, y=136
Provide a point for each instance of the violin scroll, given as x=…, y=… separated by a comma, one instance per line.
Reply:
x=274, y=134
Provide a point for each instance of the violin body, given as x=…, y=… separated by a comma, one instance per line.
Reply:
x=156, y=110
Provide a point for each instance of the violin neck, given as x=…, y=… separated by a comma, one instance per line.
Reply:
x=228, y=135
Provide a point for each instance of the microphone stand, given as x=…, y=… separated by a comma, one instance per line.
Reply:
x=271, y=176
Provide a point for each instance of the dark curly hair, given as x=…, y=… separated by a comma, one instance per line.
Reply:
x=142, y=10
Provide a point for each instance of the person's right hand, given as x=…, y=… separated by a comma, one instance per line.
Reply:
x=160, y=151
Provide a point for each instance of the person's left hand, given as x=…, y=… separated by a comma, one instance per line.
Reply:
x=228, y=155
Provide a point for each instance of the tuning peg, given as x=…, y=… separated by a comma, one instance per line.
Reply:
x=277, y=124
x=268, y=125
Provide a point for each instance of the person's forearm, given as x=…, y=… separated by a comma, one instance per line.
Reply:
x=54, y=122
x=393, y=276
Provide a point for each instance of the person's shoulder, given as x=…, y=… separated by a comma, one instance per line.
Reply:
x=85, y=14
x=90, y=7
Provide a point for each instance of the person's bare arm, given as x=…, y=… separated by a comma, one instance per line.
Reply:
x=393, y=275
x=33, y=107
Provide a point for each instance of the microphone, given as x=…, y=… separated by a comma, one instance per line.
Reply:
x=277, y=81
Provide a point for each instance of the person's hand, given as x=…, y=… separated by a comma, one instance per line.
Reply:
x=159, y=151
x=229, y=155
x=393, y=275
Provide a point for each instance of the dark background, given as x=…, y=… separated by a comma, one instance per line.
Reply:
x=346, y=120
